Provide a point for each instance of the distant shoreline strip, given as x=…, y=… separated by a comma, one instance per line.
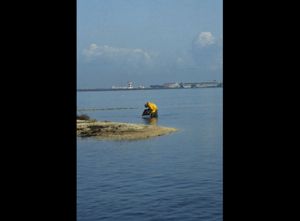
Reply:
x=135, y=89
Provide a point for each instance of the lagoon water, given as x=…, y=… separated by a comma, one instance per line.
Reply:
x=172, y=177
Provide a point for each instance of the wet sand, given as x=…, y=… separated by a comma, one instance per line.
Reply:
x=119, y=131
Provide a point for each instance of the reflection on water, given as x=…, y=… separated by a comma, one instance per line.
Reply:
x=151, y=121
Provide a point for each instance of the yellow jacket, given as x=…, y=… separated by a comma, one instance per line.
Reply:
x=152, y=107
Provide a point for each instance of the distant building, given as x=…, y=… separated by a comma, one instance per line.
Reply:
x=186, y=85
x=130, y=85
x=171, y=85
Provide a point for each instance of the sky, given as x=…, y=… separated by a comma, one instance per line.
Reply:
x=148, y=42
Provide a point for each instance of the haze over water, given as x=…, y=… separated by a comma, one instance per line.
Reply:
x=172, y=177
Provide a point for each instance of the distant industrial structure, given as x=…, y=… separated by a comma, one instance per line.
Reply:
x=204, y=84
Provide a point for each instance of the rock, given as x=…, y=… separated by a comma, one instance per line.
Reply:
x=119, y=131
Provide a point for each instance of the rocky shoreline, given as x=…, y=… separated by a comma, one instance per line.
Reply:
x=119, y=131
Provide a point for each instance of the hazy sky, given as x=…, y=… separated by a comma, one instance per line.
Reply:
x=148, y=41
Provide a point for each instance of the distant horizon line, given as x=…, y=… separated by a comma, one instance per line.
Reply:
x=173, y=85
x=141, y=85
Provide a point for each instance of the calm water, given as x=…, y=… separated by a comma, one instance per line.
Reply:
x=172, y=177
